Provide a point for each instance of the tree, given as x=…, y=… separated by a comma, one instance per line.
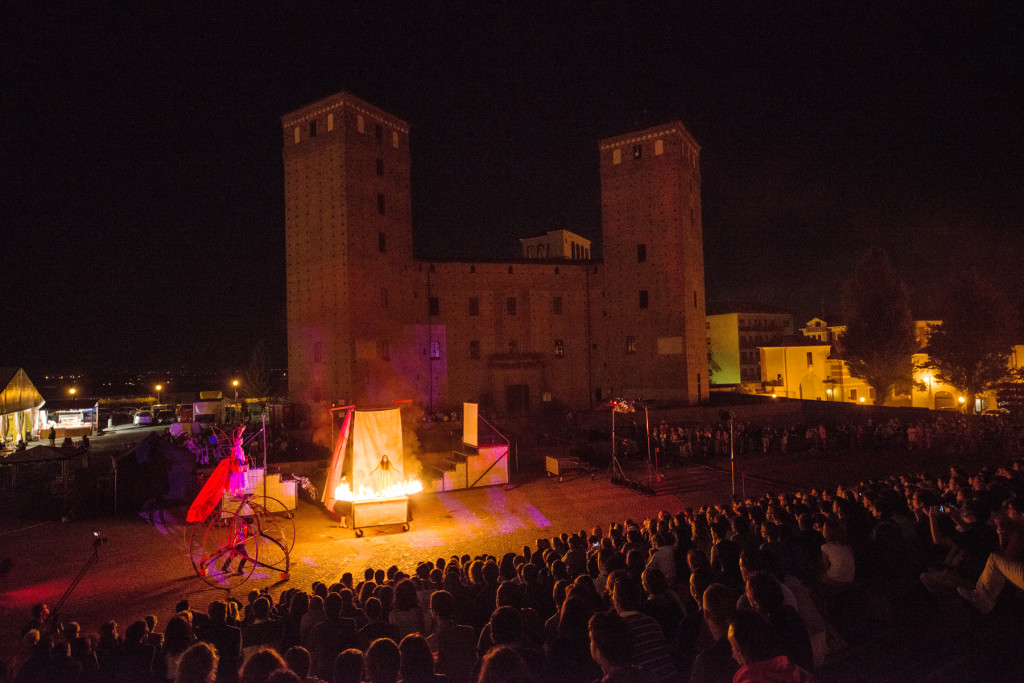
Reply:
x=259, y=376
x=970, y=348
x=879, y=341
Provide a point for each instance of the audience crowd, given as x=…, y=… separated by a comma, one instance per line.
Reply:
x=951, y=433
x=755, y=590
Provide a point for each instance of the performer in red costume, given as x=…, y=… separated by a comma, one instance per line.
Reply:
x=228, y=476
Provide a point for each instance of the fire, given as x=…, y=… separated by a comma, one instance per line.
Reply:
x=396, y=490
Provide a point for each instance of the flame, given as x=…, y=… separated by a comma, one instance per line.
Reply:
x=396, y=490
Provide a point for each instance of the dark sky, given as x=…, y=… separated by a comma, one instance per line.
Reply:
x=141, y=192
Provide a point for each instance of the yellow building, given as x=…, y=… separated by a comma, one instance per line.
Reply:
x=734, y=333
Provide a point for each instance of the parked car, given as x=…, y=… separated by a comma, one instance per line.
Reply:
x=165, y=417
x=143, y=417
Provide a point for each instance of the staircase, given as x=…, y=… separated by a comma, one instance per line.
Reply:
x=469, y=466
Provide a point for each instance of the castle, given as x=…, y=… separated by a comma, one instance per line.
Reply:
x=370, y=323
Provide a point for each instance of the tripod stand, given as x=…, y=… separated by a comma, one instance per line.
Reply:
x=653, y=474
x=53, y=619
x=618, y=475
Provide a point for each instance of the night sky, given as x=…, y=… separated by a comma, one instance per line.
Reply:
x=141, y=192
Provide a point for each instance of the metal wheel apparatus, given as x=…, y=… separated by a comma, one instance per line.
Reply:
x=242, y=541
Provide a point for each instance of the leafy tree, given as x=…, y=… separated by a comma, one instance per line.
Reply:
x=879, y=341
x=713, y=366
x=259, y=376
x=970, y=348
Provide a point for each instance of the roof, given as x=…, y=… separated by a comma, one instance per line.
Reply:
x=725, y=307
x=40, y=454
x=17, y=391
x=794, y=340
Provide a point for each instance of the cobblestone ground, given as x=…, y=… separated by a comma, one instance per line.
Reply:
x=143, y=568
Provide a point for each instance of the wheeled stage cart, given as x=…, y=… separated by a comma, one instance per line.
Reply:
x=371, y=513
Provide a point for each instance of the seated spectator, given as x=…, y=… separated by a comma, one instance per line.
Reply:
x=968, y=541
x=261, y=665
x=383, y=661
x=662, y=603
x=136, y=656
x=504, y=665
x=225, y=639
x=838, y=564
x=611, y=646
x=715, y=664
x=298, y=660
x=567, y=657
x=375, y=626
x=311, y=618
x=406, y=614
x=650, y=648
x=416, y=661
x=198, y=664
x=348, y=667
x=757, y=650
x=178, y=637
x=453, y=645
x=263, y=630
x=765, y=595
x=331, y=636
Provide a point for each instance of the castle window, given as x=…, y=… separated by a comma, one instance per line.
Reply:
x=378, y=133
x=529, y=252
x=616, y=156
x=556, y=305
x=360, y=124
x=380, y=167
x=383, y=297
x=382, y=243
x=330, y=122
x=312, y=129
x=641, y=253
x=810, y=358
x=394, y=139
x=559, y=348
x=630, y=344
x=643, y=298
x=638, y=151
x=510, y=305
x=380, y=203
x=298, y=135
x=433, y=306
x=435, y=350
x=659, y=147
x=510, y=270
x=474, y=350
x=474, y=305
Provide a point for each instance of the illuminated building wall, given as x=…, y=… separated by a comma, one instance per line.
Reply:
x=734, y=333
x=369, y=323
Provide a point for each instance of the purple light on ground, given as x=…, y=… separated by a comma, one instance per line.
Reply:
x=460, y=513
x=507, y=521
x=536, y=515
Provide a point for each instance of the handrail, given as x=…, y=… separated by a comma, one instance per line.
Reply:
x=508, y=444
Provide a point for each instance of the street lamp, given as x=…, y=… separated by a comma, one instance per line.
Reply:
x=159, y=387
x=234, y=383
x=72, y=391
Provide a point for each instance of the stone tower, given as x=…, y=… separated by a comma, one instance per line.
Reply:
x=348, y=226
x=650, y=311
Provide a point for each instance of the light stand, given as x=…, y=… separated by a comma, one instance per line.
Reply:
x=96, y=543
